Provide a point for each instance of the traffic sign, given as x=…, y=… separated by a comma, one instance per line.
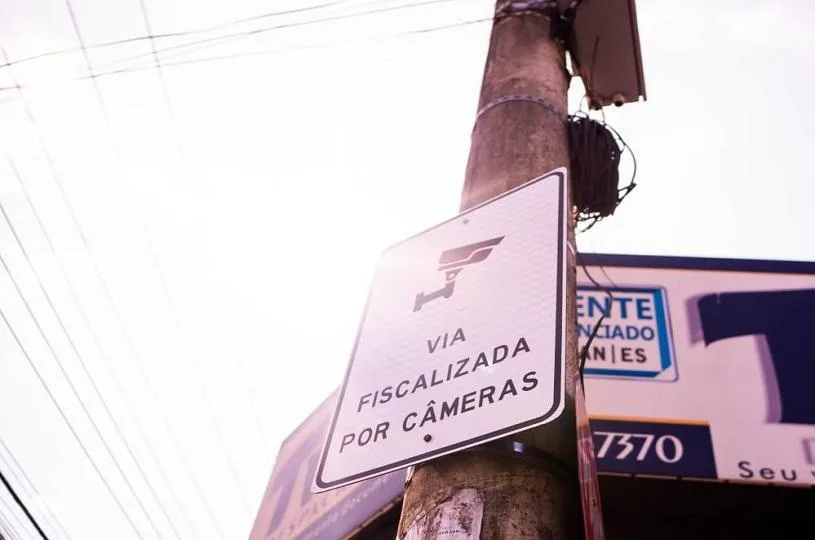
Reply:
x=462, y=340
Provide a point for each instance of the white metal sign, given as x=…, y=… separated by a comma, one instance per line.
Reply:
x=462, y=339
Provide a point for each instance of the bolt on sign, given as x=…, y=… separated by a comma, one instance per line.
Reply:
x=462, y=340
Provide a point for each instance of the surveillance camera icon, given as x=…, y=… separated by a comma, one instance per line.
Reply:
x=451, y=262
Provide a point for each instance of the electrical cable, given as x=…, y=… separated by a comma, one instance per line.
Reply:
x=176, y=318
x=594, y=155
x=106, y=291
x=169, y=35
x=159, y=71
x=226, y=38
x=262, y=52
x=10, y=531
x=22, y=505
x=158, y=66
x=418, y=31
x=81, y=233
x=595, y=150
x=13, y=522
x=68, y=422
x=75, y=297
x=205, y=395
x=102, y=282
x=608, y=278
x=584, y=351
x=100, y=98
x=425, y=30
x=4, y=534
x=82, y=363
x=75, y=392
x=265, y=52
x=48, y=513
x=136, y=39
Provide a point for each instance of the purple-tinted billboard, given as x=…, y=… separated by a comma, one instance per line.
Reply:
x=290, y=511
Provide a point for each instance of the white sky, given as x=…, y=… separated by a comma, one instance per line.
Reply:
x=235, y=226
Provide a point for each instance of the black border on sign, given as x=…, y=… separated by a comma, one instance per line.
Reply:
x=324, y=486
x=669, y=262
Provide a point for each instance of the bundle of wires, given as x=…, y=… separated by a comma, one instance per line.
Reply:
x=595, y=149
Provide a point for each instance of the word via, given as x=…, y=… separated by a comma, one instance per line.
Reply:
x=451, y=262
x=432, y=345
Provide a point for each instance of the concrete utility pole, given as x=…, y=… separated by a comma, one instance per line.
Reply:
x=508, y=490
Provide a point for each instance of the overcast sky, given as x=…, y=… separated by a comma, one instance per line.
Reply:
x=202, y=237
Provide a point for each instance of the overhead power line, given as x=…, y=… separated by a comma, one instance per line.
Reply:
x=56, y=176
x=162, y=80
x=11, y=464
x=81, y=360
x=75, y=392
x=137, y=39
x=10, y=524
x=106, y=290
x=158, y=65
x=176, y=318
x=262, y=52
x=68, y=423
x=227, y=38
x=100, y=99
x=215, y=40
x=22, y=506
x=4, y=529
x=14, y=527
x=166, y=95
x=78, y=303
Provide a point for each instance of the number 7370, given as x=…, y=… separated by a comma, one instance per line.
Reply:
x=667, y=448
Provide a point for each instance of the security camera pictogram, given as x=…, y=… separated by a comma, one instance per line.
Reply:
x=451, y=262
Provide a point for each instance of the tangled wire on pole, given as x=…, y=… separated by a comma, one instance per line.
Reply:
x=595, y=149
